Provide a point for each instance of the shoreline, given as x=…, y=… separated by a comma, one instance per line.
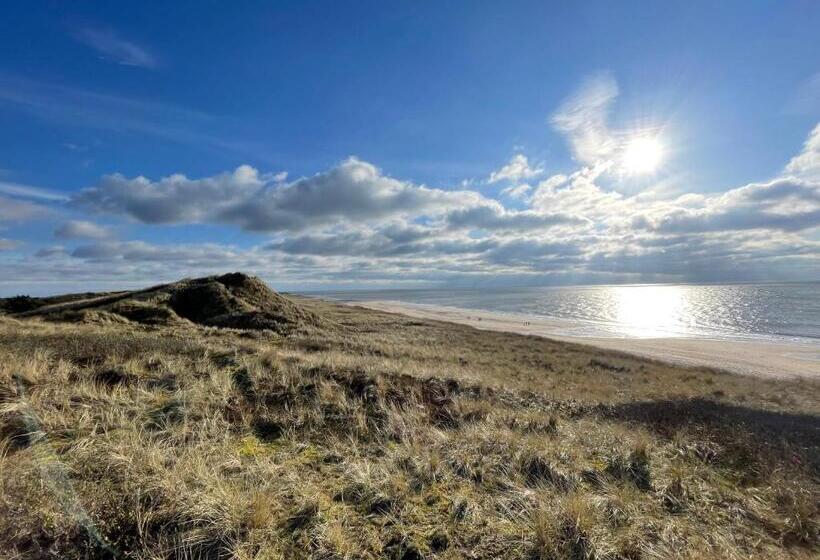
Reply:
x=756, y=358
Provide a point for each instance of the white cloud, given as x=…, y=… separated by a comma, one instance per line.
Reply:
x=27, y=191
x=519, y=192
x=78, y=229
x=353, y=191
x=783, y=204
x=579, y=194
x=583, y=119
x=517, y=169
x=354, y=219
x=807, y=163
x=352, y=223
x=109, y=45
x=172, y=199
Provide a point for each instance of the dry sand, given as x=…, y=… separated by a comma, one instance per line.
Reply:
x=766, y=359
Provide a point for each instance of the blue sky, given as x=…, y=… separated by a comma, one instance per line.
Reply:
x=334, y=144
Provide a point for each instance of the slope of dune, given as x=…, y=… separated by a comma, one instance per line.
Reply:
x=232, y=300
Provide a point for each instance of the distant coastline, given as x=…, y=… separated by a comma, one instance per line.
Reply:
x=768, y=313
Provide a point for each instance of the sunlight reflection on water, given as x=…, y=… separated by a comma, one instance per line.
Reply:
x=660, y=310
x=650, y=311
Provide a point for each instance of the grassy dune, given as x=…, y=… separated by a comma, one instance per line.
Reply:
x=360, y=434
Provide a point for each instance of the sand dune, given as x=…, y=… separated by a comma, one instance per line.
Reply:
x=759, y=358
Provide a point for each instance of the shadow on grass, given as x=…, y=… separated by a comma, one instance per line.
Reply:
x=747, y=435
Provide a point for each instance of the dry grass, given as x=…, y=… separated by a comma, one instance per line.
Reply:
x=389, y=437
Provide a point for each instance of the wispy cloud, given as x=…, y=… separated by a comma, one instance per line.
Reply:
x=583, y=119
x=110, y=46
x=27, y=191
x=806, y=99
x=102, y=111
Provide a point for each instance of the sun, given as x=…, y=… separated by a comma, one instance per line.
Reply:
x=642, y=155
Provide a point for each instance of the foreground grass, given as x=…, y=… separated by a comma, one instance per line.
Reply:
x=384, y=436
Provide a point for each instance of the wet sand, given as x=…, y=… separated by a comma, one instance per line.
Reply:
x=767, y=359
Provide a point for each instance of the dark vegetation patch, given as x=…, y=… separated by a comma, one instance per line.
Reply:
x=302, y=517
x=401, y=547
x=165, y=383
x=20, y=304
x=113, y=377
x=750, y=441
x=267, y=430
x=15, y=429
x=538, y=471
x=439, y=541
x=634, y=468
x=145, y=313
x=161, y=417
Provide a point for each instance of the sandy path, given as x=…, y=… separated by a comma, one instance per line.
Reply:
x=745, y=357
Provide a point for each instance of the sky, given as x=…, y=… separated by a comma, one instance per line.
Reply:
x=357, y=145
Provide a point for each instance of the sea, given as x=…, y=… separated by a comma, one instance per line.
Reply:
x=767, y=312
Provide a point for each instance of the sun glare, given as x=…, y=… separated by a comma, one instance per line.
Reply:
x=642, y=155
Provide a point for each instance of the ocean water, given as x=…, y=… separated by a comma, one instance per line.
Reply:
x=773, y=312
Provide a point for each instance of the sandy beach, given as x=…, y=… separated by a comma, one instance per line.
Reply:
x=766, y=359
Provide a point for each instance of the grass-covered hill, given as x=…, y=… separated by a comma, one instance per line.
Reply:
x=215, y=418
x=230, y=301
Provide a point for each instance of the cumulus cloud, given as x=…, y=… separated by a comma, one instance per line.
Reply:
x=579, y=194
x=583, y=119
x=173, y=199
x=517, y=169
x=353, y=191
x=110, y=46
x=784, y=204
x=78, y=229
